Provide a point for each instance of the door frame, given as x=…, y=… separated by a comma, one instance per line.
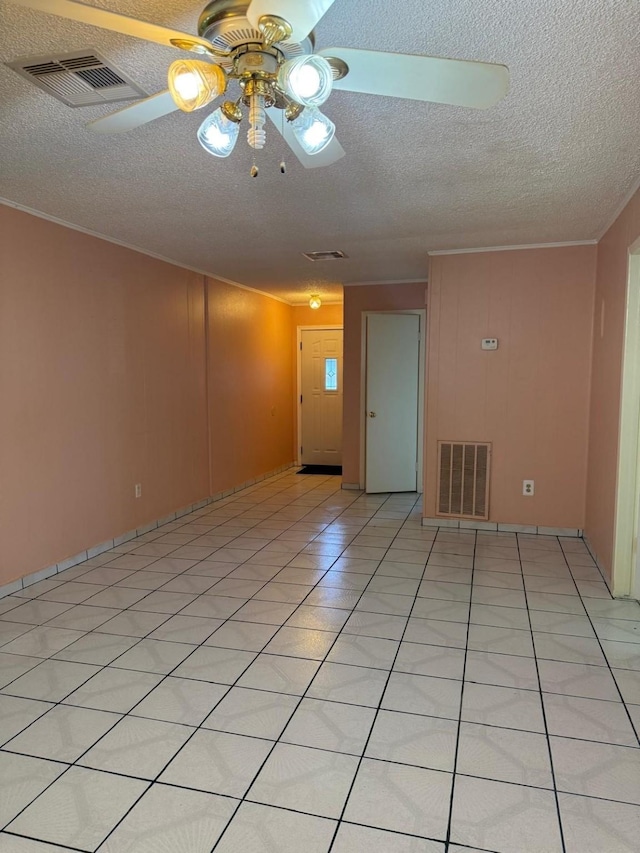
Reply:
x=422, y=312
x=300, y=329
x=625, y=568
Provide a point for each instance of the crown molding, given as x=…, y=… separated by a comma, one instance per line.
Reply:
x=82, y=230
x=389, y=281
x=437, y=252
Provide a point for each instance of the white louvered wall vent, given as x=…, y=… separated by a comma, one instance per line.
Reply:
x=463, y=479
x=78, y=79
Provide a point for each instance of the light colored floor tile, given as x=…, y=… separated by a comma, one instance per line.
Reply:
x=37, y=612
x=372, y=652
x=118, y=597
x=13, y=666
x=500, y=669
x=301, y=643
x=279, y=674
x=613, y=609
x=352, y=684
x=364, y=839
x=577, y=679
x=218, y=762
x=83, y=617
x=380, y=602
x=51, y=681
x=444, y=590
x=329, y=725
x=590, y=719
x=131, y=623
x=137, y=747
x=510, y=641
x=265, y=612
x=186, y=629
x=22, y=778
x=448, y=611
x=422, y=694
x=209, y=663
x=504, y=755
x=437, y=633
x=95, y=648
x=307, y=780
x=79, y=809
x=319, y=618
x=412, y=739
x=569, y=649
x=498, y=597
x=180, y=700
x=502, y=706
x=244, y=636
x=555, y=603
x=629, y=684
x=618, y=630
x=114, y=690
x=596, y=826
x=561, y=623
x=597, y=769
x=214, y=607
x=380, y=625
x=261, y=829
x=619, y=655
x=504, y=818
x=72, y=592
x=257, y=713
x=421, y=659
x=499, y=616
x=42, y=642
x=16, y=844
x=162, y=601
x=401, y=798
x=16, y=714
x=63, y=733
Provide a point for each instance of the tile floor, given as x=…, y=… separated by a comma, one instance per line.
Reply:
x=300, y=669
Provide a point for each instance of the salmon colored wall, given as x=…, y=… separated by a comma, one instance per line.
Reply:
x=102, y=386
x=530, y=398
x=611, y=290
x=302, y=315
x=357, y=299
x=251, y=376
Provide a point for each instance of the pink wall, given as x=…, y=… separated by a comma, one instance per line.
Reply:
x=611, y=289
x=358, y=299
x=530, y=398
x=251, y=381
x=102, y=385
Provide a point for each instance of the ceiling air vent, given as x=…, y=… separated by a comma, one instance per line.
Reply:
x=324, y=256
x=78, y=79
x=463, y=479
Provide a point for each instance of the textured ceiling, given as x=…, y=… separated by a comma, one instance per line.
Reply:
x=552, y=162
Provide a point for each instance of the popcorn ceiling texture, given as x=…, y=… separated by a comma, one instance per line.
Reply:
x=552, y=162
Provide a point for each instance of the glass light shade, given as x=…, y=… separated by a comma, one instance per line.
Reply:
x=306, y=79
x=315, y=302
x=194, y=83
x=218, y=134
x=313, y=130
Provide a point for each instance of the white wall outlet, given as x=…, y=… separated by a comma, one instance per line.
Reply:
x=138, y=490
x=528, y=488
x=489, y=343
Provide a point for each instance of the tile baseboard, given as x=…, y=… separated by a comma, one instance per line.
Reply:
x=95, y=550
x=466, y=524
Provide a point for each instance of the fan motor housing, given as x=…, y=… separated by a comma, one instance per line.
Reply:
x=224, y=23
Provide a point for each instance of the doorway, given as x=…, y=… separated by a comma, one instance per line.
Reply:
x=626, y=557
x=392, y=418
x=320, y=395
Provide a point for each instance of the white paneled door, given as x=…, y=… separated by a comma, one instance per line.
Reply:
x=321, y=392
x=392, y=398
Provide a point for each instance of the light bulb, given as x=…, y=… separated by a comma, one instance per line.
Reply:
x=306, y=79
x=194, y=83
x=313, y=130
x=315, y=302
x=218, y=134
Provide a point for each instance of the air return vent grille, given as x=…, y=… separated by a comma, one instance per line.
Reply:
x=324, y=256
x=78, y=79
x=463, y=479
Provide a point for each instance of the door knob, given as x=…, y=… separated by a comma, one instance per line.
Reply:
x=371, y=414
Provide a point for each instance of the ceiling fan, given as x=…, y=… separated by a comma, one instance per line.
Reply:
x=266, y=48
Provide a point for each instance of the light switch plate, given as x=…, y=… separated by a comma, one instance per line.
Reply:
x=489, y=343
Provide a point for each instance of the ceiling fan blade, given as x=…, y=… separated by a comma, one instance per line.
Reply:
x=333, y=152
x=76, y=11
x=463, y=83
x=136, y=114
x=303, y=15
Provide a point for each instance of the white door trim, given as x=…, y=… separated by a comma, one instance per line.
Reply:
x=363, y=389
x=300, y=330
x=625, y=570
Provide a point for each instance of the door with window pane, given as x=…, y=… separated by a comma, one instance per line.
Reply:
x=321, y=391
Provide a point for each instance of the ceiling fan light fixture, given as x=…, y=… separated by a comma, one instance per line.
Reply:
x=306, y=79
x=218, y=133
x=314, y=301
x=313, y=130
x=194, y=84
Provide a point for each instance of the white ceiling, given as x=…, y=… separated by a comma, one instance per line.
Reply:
x=550, y=163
